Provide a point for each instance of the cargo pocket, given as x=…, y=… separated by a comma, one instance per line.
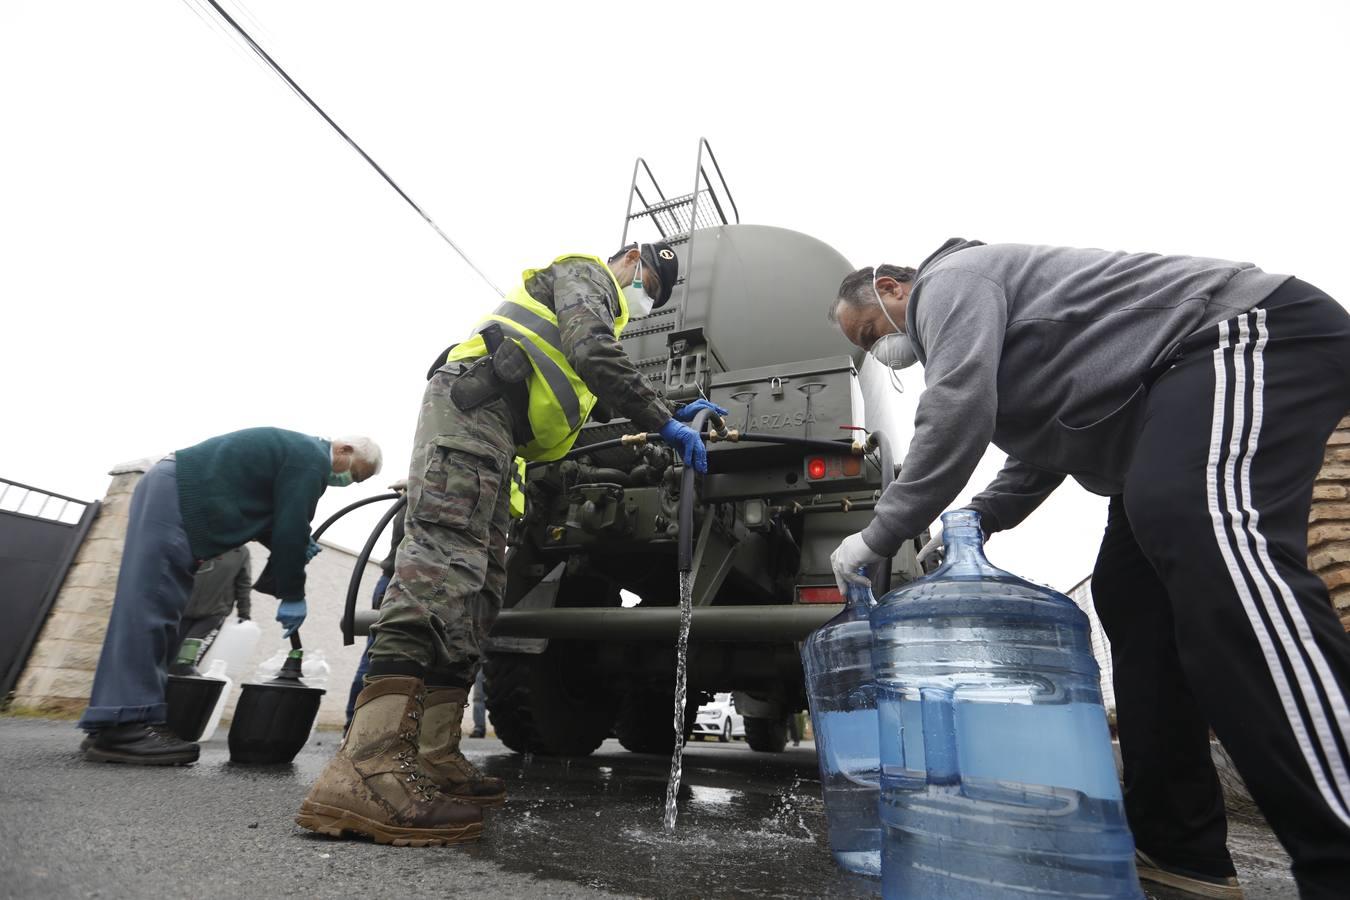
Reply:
x=459, y=485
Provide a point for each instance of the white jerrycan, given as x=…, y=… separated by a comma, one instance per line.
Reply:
x=234, y=644
x=217, y=669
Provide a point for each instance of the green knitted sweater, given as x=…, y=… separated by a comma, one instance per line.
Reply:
x=259, y=484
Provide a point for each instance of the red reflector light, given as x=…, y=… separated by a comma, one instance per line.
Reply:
x=815, y=468
x=820, y=595
x=852, y=466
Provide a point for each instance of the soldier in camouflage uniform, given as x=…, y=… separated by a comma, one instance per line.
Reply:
x=450, y=568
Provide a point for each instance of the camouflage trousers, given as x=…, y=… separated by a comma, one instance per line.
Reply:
x=451, y=566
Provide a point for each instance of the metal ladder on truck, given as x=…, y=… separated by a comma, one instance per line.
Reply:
x=674, y=220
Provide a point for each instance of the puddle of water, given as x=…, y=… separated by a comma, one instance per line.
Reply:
x=786, y=821
x=711, y=796
x=681, y=689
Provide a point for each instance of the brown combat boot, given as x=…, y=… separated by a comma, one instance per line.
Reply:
x=374, y=786
x=441, y=759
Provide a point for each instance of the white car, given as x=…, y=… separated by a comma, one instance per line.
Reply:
x=719, y=719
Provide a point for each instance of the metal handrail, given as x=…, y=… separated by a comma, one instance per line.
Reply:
x=725, y=188
x=633, y=189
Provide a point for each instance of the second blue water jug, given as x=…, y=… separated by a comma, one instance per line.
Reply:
x=997, y=774
x=837, y=659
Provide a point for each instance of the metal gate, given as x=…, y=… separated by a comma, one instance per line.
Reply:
x=39, y=534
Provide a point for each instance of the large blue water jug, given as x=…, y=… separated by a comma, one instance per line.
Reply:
x=837, y=659
x=998, y=779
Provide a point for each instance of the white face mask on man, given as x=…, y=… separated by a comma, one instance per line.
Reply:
x=639, y=303
x=895, y=351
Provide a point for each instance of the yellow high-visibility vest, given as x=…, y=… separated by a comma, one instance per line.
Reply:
x=560, y=402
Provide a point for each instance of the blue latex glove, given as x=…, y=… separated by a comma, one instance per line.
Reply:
x=690, y=445
x=290, y=613
x=687, y=412
x=312, y=551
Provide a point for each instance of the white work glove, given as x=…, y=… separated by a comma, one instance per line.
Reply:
x=850, y=556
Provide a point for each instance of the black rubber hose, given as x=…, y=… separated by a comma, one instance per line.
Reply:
x=881, y=573
x=749, y=437
x=354, y=586
x=318, y=532
x=591, y=448
x=686, y=538
x=817, y=444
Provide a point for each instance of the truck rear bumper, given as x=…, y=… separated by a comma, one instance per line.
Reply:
x=710, y=623
x=753, y=624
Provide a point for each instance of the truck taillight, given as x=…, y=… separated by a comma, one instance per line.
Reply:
x=819, y=595
x=822, y=467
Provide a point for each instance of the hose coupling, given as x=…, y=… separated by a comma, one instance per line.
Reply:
x=634, y=440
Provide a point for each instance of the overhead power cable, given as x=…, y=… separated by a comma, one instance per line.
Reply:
x=300, y=92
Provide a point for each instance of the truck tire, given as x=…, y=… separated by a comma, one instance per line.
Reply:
x=766, y=735
x=546, y=703
x=646, y=722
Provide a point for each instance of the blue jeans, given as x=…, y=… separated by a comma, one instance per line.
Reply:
x=153, y=585
x=359, y=680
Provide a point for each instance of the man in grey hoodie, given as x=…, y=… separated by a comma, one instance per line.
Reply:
x=1198, y=395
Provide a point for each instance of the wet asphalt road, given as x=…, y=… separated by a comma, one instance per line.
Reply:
x=750, y=825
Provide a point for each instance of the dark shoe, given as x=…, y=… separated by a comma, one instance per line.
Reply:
x=440, y=754
x=140, y=744
x=477, y=733
x=374, y=785
x=1188, y=882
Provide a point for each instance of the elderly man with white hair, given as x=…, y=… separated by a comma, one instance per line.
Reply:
x=258, y=484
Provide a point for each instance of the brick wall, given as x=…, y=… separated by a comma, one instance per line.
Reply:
x=1329, y=524
x=60, y=671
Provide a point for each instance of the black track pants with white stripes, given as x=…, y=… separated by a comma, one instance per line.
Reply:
x=1203, y=588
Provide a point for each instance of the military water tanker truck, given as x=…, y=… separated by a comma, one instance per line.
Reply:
x=585, y=644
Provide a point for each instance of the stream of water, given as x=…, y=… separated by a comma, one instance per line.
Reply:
x=681, y=690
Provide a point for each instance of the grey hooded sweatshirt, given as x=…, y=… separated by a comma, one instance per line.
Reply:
x=1045, y=351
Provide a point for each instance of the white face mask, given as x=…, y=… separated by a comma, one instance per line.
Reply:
x=894, y=351
x=639, y=304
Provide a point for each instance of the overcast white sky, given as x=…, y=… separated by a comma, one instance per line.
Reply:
x=186, y=249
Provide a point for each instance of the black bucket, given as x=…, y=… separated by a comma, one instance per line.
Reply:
x=273, y=720
x=191, y=698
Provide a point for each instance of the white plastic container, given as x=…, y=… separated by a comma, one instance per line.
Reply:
x=314, y=671
x=234, y=645
x=218, y=670
x=314, y=668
